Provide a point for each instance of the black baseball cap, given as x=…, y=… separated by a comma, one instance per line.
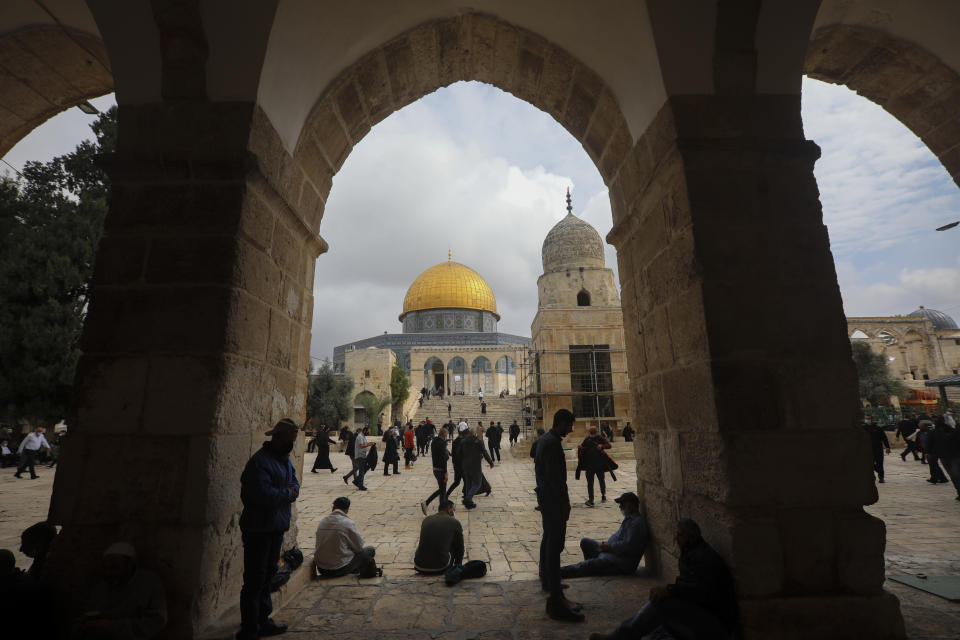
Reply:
x=629, y=496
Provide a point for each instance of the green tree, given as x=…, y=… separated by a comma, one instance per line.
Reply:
x=51, y=220
x=328, y=395
x=372, y=406
x=399, y=387
x=876, y=383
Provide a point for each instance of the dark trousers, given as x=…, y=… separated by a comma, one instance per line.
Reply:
x=953, y=468
x=603, y=483
x=457, y=477
x=441, y=477
x=551, y=545
x=359, y=470
x=513, y=440
x=472, y=481
x=911, y=448
x=28, y=459
x=683, y=620
x=365, y=556
x=598, y=563
x=936, y=473
x=495, y=451
x=878, y=463
x=386, y=467
x=311, y=445
x=261, y=551
x=408, y=456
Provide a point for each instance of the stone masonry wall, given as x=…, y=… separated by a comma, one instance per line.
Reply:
x=724, y=224
x=196, y=342
x=906, y=80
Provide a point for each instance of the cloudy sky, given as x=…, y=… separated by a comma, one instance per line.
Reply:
x=472, y=169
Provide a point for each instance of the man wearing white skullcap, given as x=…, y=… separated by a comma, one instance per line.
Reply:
x=127, y=602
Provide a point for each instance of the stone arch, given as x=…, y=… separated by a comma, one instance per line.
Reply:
x=583, y=298
x=908, y=81
x=438, y=53
x=859, y=334
x=432, y=368
x=47, y=70
x=481, y=375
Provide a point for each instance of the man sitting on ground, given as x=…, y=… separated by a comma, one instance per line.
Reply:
x=127, y=602
x=340, y=547
x=441, y=541
x=619, y=555
x=700, y=604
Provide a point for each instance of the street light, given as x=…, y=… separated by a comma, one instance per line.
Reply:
x=88, y=108
x=948, y=226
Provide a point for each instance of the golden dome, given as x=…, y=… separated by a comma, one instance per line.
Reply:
x=449, y=285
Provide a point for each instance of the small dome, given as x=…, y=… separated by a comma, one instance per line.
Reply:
x=572, y=243
x=449, y=285
x=940, y=320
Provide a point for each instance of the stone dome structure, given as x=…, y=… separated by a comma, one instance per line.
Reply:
x=572, y=243
x=940, y=320
x=449, y=285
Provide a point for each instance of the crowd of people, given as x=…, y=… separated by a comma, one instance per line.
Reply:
x=932, y=440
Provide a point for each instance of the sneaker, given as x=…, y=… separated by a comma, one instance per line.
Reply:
x=271, y=628
x=423, y=507
x=313, y=470
x=561, y=610
x=589, y=503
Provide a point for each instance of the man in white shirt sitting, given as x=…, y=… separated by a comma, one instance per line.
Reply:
x=29, y=449
x=340, y=547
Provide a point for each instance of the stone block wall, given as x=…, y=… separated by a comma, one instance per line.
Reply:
x=915, y=86
x=726, y=224
x=196, y=342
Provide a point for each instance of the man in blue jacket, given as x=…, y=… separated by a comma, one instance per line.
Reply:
x=268, y=486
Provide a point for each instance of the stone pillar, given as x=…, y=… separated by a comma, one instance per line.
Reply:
x=196, y=342
x=745, y=394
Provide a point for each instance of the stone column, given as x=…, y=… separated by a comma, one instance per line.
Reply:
x=745, y=394
x=196, y=342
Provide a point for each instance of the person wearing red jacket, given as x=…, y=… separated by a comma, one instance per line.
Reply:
x=408, y=443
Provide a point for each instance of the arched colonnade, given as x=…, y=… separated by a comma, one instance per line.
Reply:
x=234, y=120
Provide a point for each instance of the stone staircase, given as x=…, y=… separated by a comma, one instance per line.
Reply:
x=504, y=411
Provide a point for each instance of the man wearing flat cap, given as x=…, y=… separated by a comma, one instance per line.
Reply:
x=268, y=486
x=621, y=553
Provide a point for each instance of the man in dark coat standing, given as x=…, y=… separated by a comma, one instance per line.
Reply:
x=268, y=486
x=878, y=442
x=514, y=433
x=494, y=435
x=323, y=442
x=391, y=451
x=551, y=472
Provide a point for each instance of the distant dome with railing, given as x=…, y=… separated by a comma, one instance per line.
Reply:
x=940, y=320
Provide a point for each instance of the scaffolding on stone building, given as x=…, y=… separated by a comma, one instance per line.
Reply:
x=591, y=381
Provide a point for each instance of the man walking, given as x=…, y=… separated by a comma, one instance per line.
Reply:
x=29, y=449
x=462, y=429
x=472, y=455
x=878, y=442
x=514, y=432
x=268, y=486
x=494, y=435
x=360, y=452
x=554, y=501
x=907, y=429
x=438, y=452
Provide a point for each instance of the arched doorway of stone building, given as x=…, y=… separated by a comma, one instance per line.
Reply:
x=433, y=374
x=506, y=375
x=481, y=376
x=458, y=374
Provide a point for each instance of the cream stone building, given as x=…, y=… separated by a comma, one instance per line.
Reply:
x=922, y=346
x=449, y=341
x=370, y=369
x=578, y=359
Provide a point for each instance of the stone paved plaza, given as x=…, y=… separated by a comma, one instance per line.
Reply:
x=922, y=537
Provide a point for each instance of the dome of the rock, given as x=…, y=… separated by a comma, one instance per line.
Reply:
x=449, y=285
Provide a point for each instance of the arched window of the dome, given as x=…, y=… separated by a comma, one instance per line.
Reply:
x=482, y=374
x=457, y=368
x=583, y=298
